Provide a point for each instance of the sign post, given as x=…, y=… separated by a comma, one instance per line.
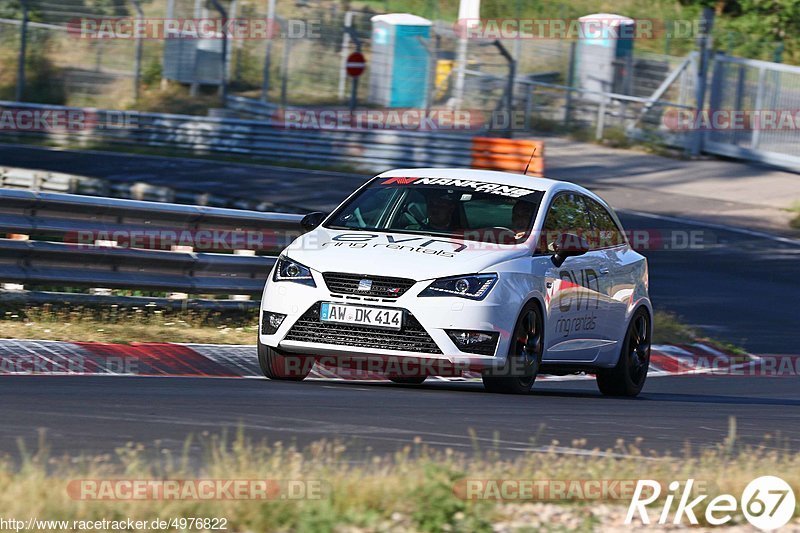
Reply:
x=354, y=65
x=355, y=68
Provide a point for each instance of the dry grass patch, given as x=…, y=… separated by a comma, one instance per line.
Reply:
x=125, y=325
x=412, y=490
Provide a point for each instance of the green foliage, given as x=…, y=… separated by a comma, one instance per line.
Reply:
x=437, y=506
x=795, y=222
x=151, y=73
x=44, y=81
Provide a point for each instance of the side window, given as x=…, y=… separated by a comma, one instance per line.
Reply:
x=605, y=231
x=567, y=214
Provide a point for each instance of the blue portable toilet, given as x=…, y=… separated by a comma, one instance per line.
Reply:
x=604, y=54
x=399, y=63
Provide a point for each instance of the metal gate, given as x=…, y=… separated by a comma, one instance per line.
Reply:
x=766, y=97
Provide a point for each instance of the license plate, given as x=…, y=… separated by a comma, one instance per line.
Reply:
x=361, y=315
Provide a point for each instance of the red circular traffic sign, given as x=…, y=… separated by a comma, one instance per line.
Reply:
x=355, y=64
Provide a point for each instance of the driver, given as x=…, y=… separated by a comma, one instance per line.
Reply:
x=440, y=212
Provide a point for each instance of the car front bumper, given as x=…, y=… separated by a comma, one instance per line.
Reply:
x=430, y=316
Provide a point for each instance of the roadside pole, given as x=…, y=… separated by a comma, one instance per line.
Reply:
x=354, y=67
x=706, y=24
x=268, y=53
x=512, y=73
x=223, y=88
x=348, y=22
x=138, y=61
x=468, y=15
x=23, y=39
x=431, y=47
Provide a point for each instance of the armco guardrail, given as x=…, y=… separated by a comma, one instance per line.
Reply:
x=66, y=240
x=373, y=150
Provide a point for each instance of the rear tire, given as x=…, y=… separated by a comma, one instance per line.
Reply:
x=628, y=376
x=524, y=355
x=407, y=380
x=275, y=365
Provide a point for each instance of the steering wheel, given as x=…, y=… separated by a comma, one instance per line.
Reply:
x=500, y=232
x=359, y=218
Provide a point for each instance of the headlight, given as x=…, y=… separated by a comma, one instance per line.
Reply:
x=473, y=287
x=288, y=270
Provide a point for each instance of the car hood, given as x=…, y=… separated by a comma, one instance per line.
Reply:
x=418, y=257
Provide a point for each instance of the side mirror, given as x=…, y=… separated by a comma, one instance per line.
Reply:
x=312, y=220
x=567, y=245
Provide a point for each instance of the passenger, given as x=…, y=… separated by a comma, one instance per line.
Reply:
x=521, y=217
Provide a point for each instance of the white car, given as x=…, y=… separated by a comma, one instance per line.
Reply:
x=440, y=271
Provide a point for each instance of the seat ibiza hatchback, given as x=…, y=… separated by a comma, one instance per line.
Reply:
x=444, y=271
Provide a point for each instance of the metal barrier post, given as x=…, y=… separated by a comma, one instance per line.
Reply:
x=601, y=118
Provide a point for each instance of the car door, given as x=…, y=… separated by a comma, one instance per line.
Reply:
x=610, y=241
x=574, y=291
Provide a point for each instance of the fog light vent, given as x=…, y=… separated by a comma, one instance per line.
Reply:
x=478, y=342
x=270, y=322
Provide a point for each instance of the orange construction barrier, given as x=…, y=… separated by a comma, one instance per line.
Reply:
x=496, y=153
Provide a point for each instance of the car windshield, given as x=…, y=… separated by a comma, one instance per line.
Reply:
x=460, y=208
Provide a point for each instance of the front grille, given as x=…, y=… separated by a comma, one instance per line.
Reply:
x=382, y=286
x=412, y=338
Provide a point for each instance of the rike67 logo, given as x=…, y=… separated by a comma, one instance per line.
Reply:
x=767, y=502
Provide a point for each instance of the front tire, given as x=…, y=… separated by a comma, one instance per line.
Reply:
x=628, y=376
x=278, y=366
x=524, y=356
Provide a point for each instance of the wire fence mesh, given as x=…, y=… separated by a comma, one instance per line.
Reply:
x=304, y=65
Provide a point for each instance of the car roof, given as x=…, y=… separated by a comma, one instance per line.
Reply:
x=489, y=176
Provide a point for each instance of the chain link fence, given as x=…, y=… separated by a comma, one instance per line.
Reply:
x=304, y=66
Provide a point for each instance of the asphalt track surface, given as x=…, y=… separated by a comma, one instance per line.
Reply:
x=738, y=287
x=96, y=415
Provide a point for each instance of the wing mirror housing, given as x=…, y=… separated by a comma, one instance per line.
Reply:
x=312, y=220
x=567, y=245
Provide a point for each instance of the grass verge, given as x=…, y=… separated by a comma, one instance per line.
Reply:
x=795, y=222
x=417, y=489
x=144, y=324
x=668, y=328
x=123, y=325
